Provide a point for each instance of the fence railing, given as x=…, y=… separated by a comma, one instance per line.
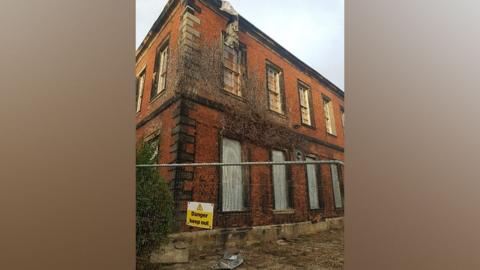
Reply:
x=320, y=180
x=251, y=163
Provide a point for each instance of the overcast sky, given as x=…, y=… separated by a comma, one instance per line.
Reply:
x=313, y=30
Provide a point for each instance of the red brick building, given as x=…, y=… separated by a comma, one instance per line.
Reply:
x=186, y=129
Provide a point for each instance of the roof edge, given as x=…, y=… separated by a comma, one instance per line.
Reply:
x=249, y=27
x=167, y=10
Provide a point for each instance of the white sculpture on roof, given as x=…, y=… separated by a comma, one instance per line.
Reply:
x=231, y=38
x=227, y=7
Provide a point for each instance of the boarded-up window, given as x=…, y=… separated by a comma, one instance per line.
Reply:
x=232, y=58
x=304, y=94
x=337, y=192
x=329, y=116
x=139, y=92
x=280, y=185
x=160, y=71
x=274, y=89
x=232, y=180
x=313, y=194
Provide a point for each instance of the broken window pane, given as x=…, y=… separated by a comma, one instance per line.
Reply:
x=273, y=85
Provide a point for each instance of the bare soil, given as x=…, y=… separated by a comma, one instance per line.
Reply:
x=321, y=251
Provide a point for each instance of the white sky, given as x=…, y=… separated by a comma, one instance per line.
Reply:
x=313, y=30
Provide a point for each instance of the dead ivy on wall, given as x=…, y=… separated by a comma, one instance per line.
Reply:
x=199, y=73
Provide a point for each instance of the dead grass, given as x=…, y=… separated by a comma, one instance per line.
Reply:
x=321, y=251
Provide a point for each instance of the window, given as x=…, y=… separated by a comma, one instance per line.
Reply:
x=280, y=184
x=306, y=115
x=329, y=116
x=275, y=99
x=160, y=71
x=153, y=144
x=232, y=179
x=233, y=60
x=343, y=117
x=315, y=197
x=139, y=92
x=337, y=190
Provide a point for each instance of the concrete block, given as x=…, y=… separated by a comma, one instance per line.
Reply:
x=169, y=254
x=188, y=29
x=191, y=17
x=240, y=237
x=188, y=23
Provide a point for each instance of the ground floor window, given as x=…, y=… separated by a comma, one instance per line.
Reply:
x=154, y=144
x=337, y=192
x=314, y=192
x=232, y=178
x=280, y=183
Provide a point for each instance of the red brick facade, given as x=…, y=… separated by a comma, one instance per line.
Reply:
x=189, y=129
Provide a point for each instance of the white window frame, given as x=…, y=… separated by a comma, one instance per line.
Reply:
x=329, y=116
x=160, y=70
x=140, y=81
x=305, y=106
x=274, y=90
x=232, y=69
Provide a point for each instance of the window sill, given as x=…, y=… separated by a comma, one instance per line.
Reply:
x=333, y=135
x=228, y=93
x=309, y=126
x=158, y=96
x=282, y=115
x=284, y=212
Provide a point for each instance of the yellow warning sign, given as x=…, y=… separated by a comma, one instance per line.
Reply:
x=200, y=215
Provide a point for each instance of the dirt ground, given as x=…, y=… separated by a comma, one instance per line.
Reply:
x=321, y=251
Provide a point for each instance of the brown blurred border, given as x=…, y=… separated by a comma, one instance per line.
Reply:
x=67, y=144
x=412, y=136
x=67, y=134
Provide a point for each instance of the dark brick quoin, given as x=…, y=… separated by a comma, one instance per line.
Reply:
x=190, y=129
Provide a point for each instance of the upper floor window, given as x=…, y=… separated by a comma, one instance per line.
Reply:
x=140, y=87
x=305, y=107
x=342, y=111
x=329, y=116
x=160, y=71
x=233, y=61
x=275, y=98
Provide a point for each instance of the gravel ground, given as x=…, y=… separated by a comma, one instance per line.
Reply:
x=321, y=251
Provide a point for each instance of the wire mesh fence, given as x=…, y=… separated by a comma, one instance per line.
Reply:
x=276, y=185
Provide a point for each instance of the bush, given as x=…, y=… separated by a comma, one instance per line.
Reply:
x=154, y=205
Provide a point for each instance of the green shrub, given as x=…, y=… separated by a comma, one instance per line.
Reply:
x=154, y=205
